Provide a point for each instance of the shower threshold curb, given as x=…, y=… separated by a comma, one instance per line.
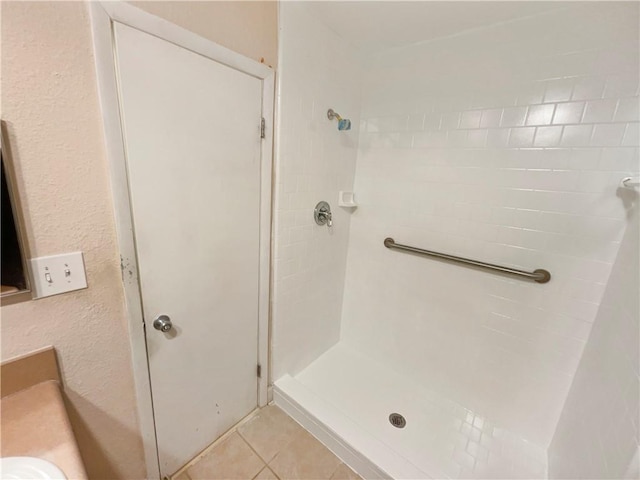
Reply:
x=290, y=395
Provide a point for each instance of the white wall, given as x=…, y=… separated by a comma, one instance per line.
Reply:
x=50, y=104
x=505, y=144
x=313, y=162
x=247, y=27
x=597, y=435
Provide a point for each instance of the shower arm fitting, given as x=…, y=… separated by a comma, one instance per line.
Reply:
x=331, y=114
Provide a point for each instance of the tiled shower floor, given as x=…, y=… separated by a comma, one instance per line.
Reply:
x=352, y=395
x=269, y=446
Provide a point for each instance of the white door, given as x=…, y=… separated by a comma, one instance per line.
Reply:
x=192, y=139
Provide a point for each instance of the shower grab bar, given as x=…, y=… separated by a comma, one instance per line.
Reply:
x=540, y=275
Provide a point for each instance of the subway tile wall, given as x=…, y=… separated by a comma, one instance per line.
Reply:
x=314, y=161
x=598, y=432
x=507, y=145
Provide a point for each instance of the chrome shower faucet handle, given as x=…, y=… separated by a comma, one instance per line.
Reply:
x=322, y=214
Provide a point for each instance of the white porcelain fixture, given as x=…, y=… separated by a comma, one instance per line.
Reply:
x=29, y=468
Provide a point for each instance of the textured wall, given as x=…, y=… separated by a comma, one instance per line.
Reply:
x=50, y=103
x=314, y=161
x=507, y=146
x=245, y=27
x=599, y=429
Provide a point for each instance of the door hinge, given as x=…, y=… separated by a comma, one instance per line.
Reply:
x=262, y=128
x=259, y=371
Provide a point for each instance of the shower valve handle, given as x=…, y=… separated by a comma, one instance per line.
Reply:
x=322, y=214
x=328, y=216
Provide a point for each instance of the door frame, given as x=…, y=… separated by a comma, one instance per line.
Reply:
x=103, y=14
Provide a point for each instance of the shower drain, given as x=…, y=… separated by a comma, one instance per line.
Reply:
x=397, y=420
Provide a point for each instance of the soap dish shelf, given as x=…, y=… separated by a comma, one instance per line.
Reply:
x=346, y=199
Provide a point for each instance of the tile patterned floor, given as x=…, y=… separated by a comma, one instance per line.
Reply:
x=442, y=438
x=269, y=446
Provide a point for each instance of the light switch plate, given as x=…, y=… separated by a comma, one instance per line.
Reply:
x=58, y=274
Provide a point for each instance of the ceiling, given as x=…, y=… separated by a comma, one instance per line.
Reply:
x=372, y=26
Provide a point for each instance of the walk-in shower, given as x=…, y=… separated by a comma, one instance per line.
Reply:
x=494, y=333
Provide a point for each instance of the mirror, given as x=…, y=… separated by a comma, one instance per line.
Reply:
x=14, y=276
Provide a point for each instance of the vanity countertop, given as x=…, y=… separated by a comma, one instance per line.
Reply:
x=35, y=424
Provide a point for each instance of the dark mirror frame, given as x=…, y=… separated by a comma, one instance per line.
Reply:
x=25, y=293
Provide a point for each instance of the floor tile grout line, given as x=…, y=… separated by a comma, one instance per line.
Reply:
x=230, y=434
x=283, y=447
x=221, y=439
x=270, y=468
x=337, y=467
x=266, y=467
x=254, y=450
x=266, y=464
x=251, y=447
x=259, y=472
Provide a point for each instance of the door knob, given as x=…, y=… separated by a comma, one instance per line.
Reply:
x=162, y=323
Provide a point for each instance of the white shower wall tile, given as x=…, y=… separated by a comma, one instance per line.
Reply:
x=627, y=110
x=517, y=162
x=314, y=161
x=632, y=135
x=570, y=112
x=598, y=433
x=598, y=111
